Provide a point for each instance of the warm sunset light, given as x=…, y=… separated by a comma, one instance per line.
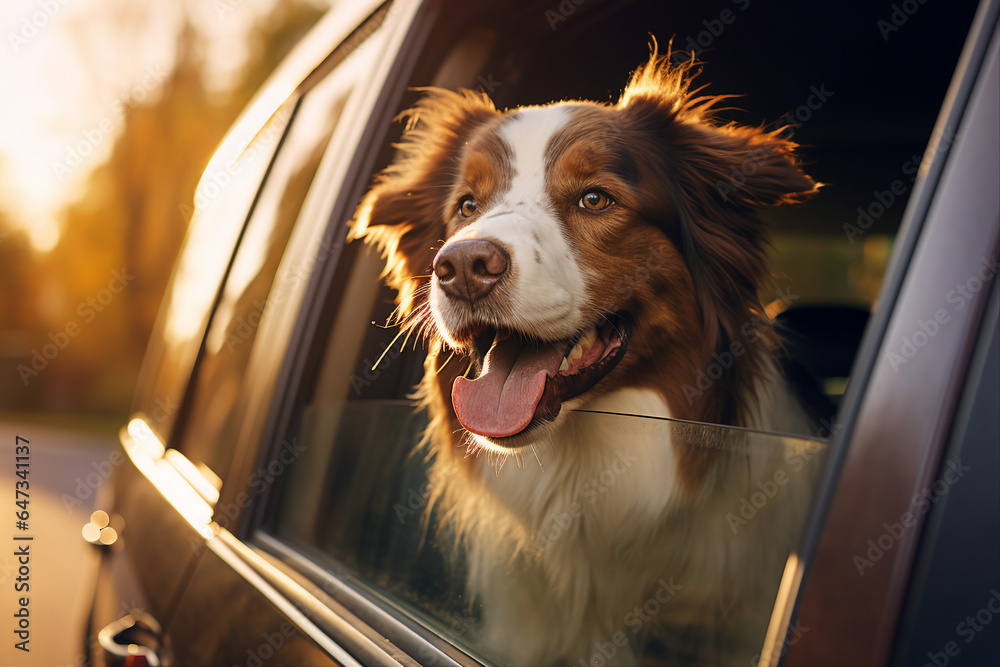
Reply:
x=64, y=121
x=111, y=112
x=493, y=332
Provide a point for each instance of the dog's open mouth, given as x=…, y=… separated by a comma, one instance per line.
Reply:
x=523, y=383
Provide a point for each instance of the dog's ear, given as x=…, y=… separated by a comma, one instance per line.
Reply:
x=404, y=212
x=745, y=166
x=712, y=177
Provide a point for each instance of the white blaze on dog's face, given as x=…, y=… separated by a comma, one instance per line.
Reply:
x=543, y=290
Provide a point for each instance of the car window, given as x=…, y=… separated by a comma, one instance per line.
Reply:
x=250, y=288
x=222, y=202
x=361, y=500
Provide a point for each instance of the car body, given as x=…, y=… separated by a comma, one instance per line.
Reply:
x=240, y=539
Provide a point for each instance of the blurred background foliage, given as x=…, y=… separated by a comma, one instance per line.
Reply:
x=69, y=344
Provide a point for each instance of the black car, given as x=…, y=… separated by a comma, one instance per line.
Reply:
x=270, y=511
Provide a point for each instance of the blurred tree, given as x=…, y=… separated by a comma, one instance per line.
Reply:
x=15, y=299
x=99, y=289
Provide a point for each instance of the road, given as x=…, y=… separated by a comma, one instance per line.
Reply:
x=64, y=474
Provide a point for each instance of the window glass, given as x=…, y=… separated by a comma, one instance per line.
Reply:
x=360, y=501
x=362, y=498
x=222, y=203
x=250, y=286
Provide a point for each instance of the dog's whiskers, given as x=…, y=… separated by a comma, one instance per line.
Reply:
x=387, y=348
x=604, y=316
x=496, y=459
x=535, y=452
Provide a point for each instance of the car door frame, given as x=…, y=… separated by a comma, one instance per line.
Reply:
x=887, y=450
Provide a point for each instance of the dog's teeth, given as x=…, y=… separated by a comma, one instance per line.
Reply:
x=564, y=366
x=575, y=353
x=589, y=337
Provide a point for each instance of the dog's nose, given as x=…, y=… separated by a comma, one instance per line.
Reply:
x=468, y=270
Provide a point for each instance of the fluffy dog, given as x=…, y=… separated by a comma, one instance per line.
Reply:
x=576, y=258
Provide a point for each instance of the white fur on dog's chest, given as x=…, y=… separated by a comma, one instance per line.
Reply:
x=602, y=525
x=606, y=468
x=599, y=483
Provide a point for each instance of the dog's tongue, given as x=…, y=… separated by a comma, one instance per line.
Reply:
x=502, y=400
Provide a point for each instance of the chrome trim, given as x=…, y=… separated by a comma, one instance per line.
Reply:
x=335, y=634
x=405, y=630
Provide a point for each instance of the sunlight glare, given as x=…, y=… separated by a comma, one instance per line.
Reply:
x=44, y=235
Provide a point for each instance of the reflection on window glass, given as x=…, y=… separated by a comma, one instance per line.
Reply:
x=250, y=285
x=222, y=203
x=364, y=498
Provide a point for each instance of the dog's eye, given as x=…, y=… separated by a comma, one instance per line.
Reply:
x=467, y=206
x=595, y=200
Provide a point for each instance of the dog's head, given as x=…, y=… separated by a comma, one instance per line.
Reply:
x=573, y=248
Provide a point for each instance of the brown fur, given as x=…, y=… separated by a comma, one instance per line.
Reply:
x=682, y=250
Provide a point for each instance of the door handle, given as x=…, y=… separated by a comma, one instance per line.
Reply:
x=134, y=640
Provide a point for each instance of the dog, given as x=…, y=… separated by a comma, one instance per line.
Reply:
x=581, y=258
